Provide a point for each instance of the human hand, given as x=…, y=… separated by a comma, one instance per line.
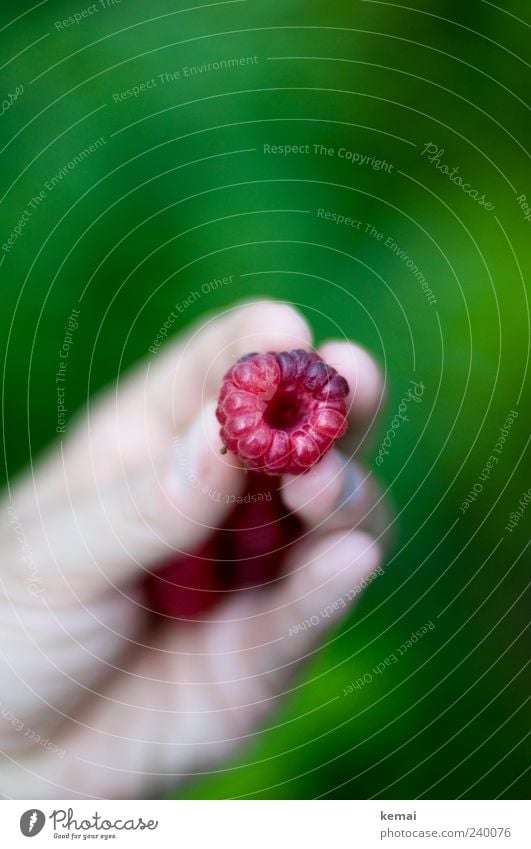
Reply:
x=97, y=699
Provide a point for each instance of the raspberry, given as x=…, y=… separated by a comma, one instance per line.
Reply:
x=185, y=586
x=280, y=413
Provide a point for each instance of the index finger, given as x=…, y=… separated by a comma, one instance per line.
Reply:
x=363, y=375
x=194, y=369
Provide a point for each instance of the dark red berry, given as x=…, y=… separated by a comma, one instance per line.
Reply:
x=186, y=585
x=247, y=551
x=280, y=413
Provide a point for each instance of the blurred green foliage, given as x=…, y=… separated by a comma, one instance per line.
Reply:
x=181, y=192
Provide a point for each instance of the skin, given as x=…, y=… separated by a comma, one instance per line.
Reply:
x=124, y=706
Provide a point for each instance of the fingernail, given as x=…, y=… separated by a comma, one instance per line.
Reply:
x=353, y=485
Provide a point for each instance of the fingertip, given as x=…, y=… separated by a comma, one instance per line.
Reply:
x=328, y=574
x=364, y=377
x=252, y=326
x=313, y=496
x=345, y=558
x=216, y=459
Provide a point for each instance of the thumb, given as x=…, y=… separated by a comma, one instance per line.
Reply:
x=167, y=507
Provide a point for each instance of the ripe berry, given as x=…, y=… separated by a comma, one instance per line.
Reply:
x=280, y=413
x=257, y=536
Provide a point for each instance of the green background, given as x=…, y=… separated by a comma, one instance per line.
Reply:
x=182, y=192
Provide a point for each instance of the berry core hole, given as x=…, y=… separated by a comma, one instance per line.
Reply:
x=285, y=410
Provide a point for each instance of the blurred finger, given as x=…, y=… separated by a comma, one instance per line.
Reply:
x=166, y=508
x=316, y=494
x=191, y=699
x=266, y=635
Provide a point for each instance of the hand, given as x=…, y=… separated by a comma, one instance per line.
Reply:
x=95, y=699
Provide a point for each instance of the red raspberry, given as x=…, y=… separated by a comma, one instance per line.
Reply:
x=185, y=586
x=280, y=413
x=257, y=537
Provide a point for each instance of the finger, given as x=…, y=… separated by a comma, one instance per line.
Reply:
x=323, y=570
x=169, y=507
x=161, y=396
x=337, y=493
x=198, y=694
x=195, y=368
x=364, y=378
x=265, y=636
x=316, y=494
